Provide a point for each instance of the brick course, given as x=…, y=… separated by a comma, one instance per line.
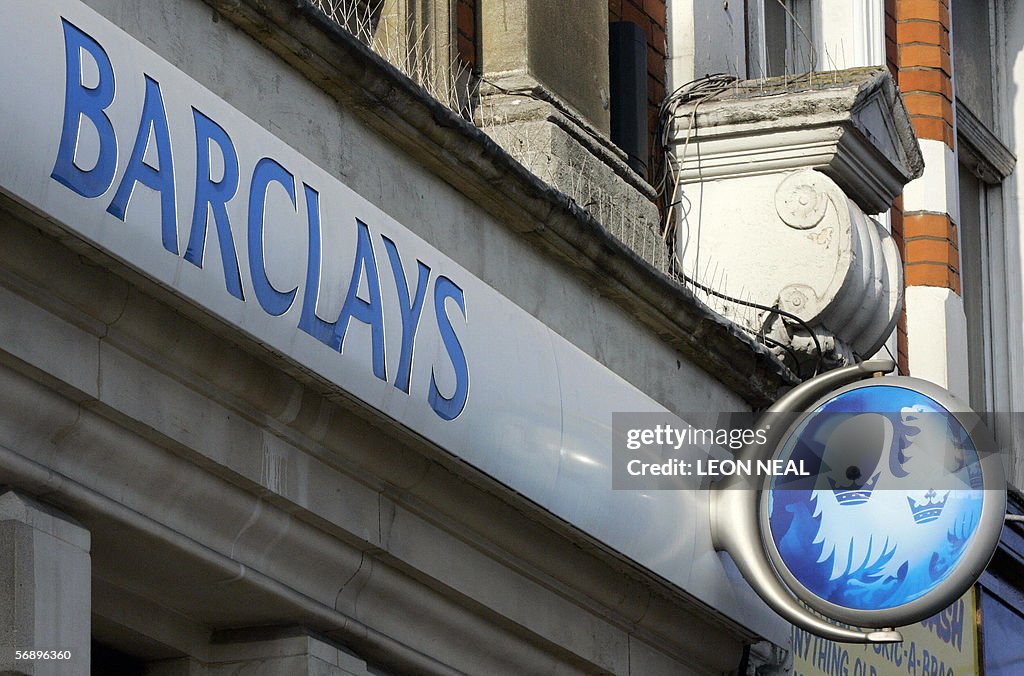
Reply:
x=927, y=10
x=918, y=55
x=924, y=32
x=932, y=274
x=939, y=251
x=928, y=104
x=925, y=80
x=927, y=224
x=925, y=56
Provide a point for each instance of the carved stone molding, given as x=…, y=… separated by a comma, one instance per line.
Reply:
x=796, y=242
x=781, y=175
x=851, y=125
x=980, y=149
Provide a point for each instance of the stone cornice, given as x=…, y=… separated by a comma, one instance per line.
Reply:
x=851, y=125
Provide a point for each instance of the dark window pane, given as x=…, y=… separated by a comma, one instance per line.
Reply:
x=972, y=57
x=1002, y=631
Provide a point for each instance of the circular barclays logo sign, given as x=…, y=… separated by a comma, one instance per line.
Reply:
x=899, y=514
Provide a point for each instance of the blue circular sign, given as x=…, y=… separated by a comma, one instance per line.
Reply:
x=893, y=503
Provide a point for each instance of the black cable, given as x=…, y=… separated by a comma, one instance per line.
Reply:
x=771, y=342
x=896, y=361
x=789, y=315
x=701, y=88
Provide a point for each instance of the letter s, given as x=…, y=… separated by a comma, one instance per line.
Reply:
x=86, y=102
x=449, y=408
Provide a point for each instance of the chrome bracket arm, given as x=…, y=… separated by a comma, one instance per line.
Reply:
x=735, y=504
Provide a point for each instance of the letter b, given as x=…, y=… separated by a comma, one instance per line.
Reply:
x=86, y=102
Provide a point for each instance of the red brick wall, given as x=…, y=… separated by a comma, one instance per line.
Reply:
x=925, y=78
x=925, y=72
x=896, y=213
x=650, y=15
x=917, y=52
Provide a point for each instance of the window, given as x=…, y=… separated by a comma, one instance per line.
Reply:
x=780, y=38
x=984, y=163
x=1001, y=600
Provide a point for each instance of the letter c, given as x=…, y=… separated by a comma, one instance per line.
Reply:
x=267, y=170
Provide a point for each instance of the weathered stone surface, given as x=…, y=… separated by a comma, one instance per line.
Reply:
x=589, y=174
x=561, y=47
x=44, y=587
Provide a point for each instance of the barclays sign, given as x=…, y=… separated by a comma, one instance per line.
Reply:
x=151, y=163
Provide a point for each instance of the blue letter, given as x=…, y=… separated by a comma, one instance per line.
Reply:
x=212, y=196
x=267, y=170
x=308, y=320
x=449, y=408
x=137, y=171
x=410, y=311
x=80, y=102
x=371, y=312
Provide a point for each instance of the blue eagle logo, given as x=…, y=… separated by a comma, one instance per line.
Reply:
x=895, y=499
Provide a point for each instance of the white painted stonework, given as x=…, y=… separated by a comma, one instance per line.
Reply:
x=937, y=335
x=936, y=190
x=779, y=178
x=849, y=281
